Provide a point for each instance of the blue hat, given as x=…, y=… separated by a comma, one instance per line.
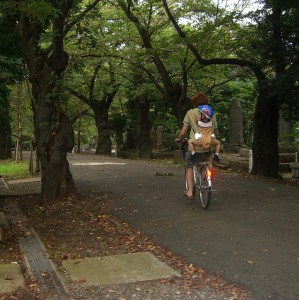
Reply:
x=207, y=110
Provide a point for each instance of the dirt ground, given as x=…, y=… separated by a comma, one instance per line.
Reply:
x=77, y=228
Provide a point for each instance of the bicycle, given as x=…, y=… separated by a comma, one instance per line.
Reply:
x=202, y=176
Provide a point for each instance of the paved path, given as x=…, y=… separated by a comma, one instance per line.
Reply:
x=249, y=235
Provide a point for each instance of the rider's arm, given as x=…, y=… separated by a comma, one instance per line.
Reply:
x=183, y=132
x=216, y=132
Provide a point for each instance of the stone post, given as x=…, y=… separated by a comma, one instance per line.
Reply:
x=236, y=125
x=284, y=130
x=250, y=160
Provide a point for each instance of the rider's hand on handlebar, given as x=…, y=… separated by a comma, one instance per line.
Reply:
x=178, y=141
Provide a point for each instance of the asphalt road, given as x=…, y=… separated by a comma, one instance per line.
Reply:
x=249, y=235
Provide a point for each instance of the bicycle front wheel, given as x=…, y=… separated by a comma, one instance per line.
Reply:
x=205, y=189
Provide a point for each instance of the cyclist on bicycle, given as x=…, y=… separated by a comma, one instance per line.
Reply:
x=199, y=99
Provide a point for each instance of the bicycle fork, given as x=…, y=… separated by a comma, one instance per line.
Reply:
x=199, y=175
x=209, y=176
x=205, y=172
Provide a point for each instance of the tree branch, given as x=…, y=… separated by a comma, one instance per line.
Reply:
x=223, y=82
x=206, y=62
x=146, y=39
x=78, y=95
x=80, y=17
x=92, y=81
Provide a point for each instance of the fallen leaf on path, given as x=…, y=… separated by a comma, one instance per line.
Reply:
x=251, y=261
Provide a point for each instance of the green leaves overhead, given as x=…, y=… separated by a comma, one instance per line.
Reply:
x=39, y=11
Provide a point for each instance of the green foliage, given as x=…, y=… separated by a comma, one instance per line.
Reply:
x=119, y=126
x=241, y=90
x=275, y=42
x=107, y=35
x=20, y=103
x=10, y=53
x=39, y=11
x=88, y=134
x=106, y=38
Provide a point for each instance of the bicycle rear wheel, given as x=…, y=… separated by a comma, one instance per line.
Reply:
x=205, y=189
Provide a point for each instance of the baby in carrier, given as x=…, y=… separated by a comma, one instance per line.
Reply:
x=203, y=138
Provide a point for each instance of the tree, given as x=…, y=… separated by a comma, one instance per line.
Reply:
x=167, y=62
x=140, y=100
x=5, y=129
x=173, y=92
x=122, y=49
x=42, y=28
x=100, y=107
x=95, y=55
x=265, y=145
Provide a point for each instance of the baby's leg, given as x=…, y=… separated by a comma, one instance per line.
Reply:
x=216, y=155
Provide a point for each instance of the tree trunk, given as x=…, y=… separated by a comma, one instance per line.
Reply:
x=5, y=142
x=54, y=136
x=5, y=139
x=20, y=127
x=57, y=179
x=100, y=108
x=103, y=125
x=5, y=129
x=104, y=143
x=265, y=145
x=53, y=130
x=144, y=142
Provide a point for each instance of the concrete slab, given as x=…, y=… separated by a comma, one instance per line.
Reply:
x=3, y=184
x=115, y=269
x=11, y=277
x=27, y=180
x=22, y=187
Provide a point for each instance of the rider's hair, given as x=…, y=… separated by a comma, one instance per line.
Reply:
x=200, y=99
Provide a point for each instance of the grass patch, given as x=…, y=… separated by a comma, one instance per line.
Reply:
x=11, y=170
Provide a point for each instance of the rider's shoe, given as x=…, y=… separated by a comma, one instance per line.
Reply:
x=216, y=157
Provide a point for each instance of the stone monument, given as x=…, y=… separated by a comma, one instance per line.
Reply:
x=284, y=130
x=236, y=125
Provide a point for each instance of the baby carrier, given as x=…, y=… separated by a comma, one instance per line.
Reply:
x=202, y=134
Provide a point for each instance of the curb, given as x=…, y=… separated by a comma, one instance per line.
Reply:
x=37, y=262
